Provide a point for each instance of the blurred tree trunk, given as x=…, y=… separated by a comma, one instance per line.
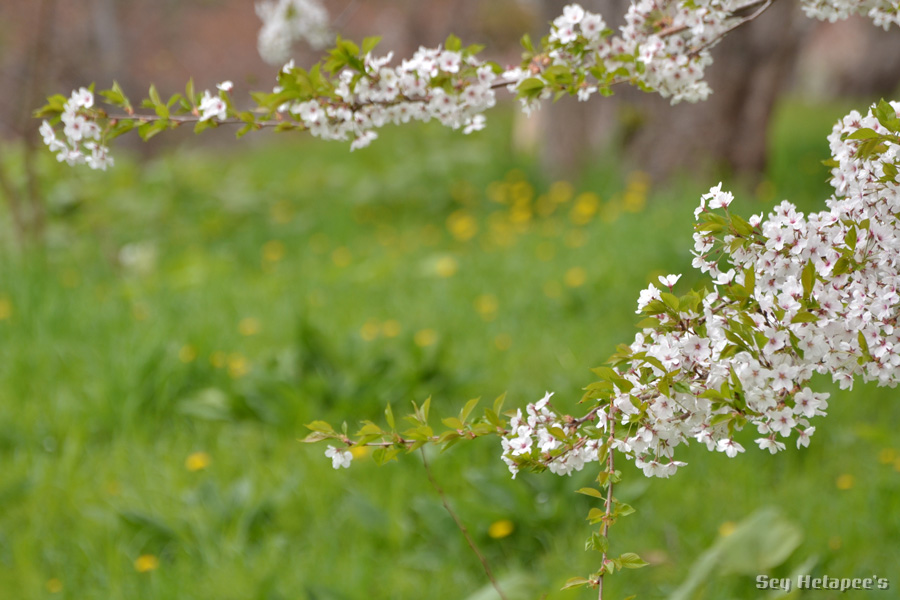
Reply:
x=749, y=73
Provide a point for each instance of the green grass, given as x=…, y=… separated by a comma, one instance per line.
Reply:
x=278, y=284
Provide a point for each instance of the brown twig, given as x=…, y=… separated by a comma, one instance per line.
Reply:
x=462, y=528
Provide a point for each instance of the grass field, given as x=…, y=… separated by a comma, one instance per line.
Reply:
x=192, y=312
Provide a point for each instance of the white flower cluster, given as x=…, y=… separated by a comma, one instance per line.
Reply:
x=339, y=458
x=285, y=22
x=796, y=295
x=882, y=12
x=83, y=143
x=536, y=434
x=661, y=47
x=398, y=94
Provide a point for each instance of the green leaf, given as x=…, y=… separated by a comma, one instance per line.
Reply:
x=804, y=317
x=385, y=455
x=148, y=130
x=527, y=43
x=189, y=92
x=863, y=134
x=369, y=43
x=841, y=266
x=670, y=300
x=320, y=426
x=468, y=408
x=887, y=116
x=808, y=278
x=623, y=510
x=605, y=373
x=244, y=130
x=389, y=415
x=530, y=84
x=575, y=582
x=453, y=43
x=741, y=226
x=630, y=560
x=850, y=238
x=154, y=95
x=595, y=515
x=369, y=428
x=590, y=492
x=453, y=423
x=498, y=404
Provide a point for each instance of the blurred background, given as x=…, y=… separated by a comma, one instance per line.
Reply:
x=167, y=327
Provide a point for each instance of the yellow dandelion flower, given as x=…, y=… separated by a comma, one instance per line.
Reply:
x=187, y=353
x=521, y=192
x=503, y=342
x=425, y=338
x=575, y=277
x=520, y=213
x=342, y=257
x=586, y=206
x=360, y=451
x=238, y=366
x=845, y=481
x=835, y=542
x=462, y=225
x=249, y=326
x=887, y=456
x=197, y=461
x=487, y=305
x=391, y=328
x=727, y=528
x=54, y=586
x=273, y=251
x=6, y=308
x=897, y=464
x=446, y=266
x=370, y=330
x=146, y=563
x=636, y=192
x=501, y=529
x=561, y=192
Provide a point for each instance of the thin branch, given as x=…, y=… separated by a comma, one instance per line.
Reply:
x=610, y=468
x=462, y=528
